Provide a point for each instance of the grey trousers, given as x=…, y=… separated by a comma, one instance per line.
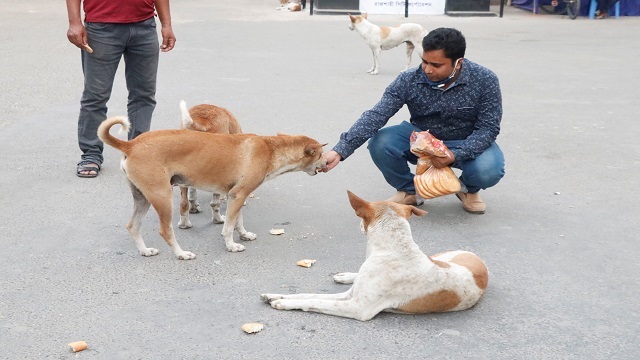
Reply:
x=138, y=44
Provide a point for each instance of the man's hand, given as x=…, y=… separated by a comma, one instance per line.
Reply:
x=440, y=162
x=168, y=39
x=77, y=34
x=333, y=159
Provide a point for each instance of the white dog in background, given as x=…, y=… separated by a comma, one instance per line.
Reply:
x=384, y=38
x=396, y=275
x=290, y=5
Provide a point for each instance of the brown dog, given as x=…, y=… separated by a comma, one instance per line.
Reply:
x=225, y=164
x=207, y=118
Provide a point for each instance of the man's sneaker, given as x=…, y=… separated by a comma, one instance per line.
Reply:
x=402, y=197
x=472, y=202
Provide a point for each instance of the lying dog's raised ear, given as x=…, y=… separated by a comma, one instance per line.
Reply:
x=363, y=209
x=282, y=134
x=311, y=149
x=355, y=201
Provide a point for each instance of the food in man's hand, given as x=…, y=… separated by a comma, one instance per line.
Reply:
x=431, y=182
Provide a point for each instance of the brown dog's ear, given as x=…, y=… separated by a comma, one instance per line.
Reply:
x=311, y=149
x=282, y=134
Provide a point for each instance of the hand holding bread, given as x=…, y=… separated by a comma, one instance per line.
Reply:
x=433, y=175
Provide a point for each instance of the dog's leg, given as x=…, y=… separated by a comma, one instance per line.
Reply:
x=339, y=296
x=185, y=206
x=215, y=209
x=140, y=208
x=351, y=308
x=345, y=278
x=234, y=209
x=161, y=200
x=376, y=62
x=244, y=234
x=193, y=200
x=410, y=48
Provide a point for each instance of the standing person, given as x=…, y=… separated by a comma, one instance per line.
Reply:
x=602, y=9
x=115, y=29
x=457, y=100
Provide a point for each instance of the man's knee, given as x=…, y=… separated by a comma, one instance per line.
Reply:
x=483, y=174
x=385, y=143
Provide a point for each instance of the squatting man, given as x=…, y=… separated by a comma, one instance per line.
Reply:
x=457, y=100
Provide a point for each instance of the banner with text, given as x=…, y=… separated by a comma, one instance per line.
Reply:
x=428, y=7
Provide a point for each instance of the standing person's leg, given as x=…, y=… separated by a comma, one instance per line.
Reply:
x=389, y=149
x=602, y=8
x=141, y=68
x=99, y=70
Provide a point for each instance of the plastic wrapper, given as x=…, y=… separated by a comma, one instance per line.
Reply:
x=431, y=182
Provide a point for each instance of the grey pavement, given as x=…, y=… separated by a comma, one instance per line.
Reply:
x=560, y=236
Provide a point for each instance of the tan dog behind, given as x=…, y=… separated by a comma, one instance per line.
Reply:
x=225, y=164
x=396, y=276
x=290, y=5
x=207, y=118
x=384, y=38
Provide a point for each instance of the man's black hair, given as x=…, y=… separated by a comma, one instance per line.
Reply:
x=450, y=40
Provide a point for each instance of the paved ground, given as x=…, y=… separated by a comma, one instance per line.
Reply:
x=560, y=234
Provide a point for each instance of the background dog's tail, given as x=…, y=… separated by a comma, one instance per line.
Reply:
x=186, y=118
x=107, y=138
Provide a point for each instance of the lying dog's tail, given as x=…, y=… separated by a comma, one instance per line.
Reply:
x=107, y=138
x=186, y=117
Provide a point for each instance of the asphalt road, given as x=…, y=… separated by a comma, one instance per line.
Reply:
x=560, y=236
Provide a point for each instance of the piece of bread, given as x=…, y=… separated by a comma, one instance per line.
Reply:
x=436, y=182
x=251, y=328
x=77, y=346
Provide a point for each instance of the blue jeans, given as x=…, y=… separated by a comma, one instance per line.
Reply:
x=138, y=43
x=389, y=149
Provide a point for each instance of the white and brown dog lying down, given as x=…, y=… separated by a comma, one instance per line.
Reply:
x=206, y=118
x=225, y=164
x=396, y=276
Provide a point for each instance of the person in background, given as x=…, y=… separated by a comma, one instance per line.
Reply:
x=602, y=9
x=112, y=30
x=457, y=100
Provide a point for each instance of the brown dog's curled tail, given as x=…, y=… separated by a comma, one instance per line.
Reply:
x=107, y=138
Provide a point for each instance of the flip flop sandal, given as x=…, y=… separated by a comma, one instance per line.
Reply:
x=85, y=166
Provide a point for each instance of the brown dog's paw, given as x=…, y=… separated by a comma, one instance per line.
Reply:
x=235, y=247
x=248, y=236
x=186, y=255
x=149, y=252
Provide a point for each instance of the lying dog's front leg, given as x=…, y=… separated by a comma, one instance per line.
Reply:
x=346, y=308
x=345, y=278
x=339, y=296
x=234, y=208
